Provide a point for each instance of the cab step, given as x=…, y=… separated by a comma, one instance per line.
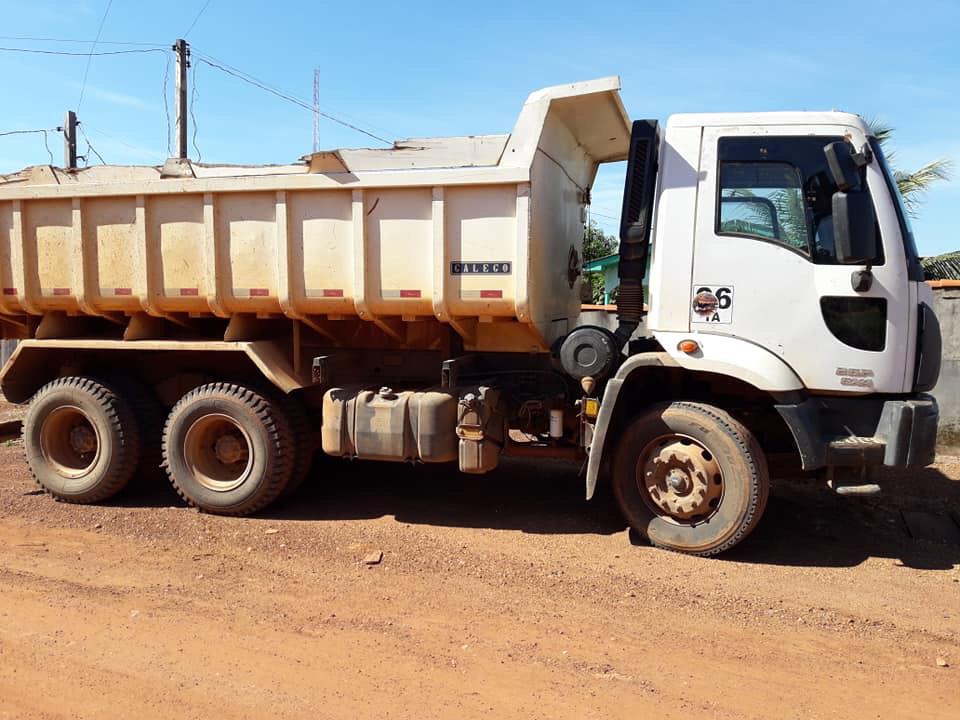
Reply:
x=855, y=451
x=865, y=490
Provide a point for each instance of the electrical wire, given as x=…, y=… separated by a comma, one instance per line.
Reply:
x=78, y=42
x=86, y=71
x=24, y=132
x=46, y=143
x=247, y=78
x=604, y=215
x=193, y=104
x=123, y=142
x=90, y=148
x=166, y=107
x=197, y=18
x=47, y=146
x=80, y=54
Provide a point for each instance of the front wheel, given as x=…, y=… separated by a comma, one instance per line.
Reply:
x=691, y=478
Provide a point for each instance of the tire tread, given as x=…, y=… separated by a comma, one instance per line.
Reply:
x=750, y=453
x=120, y=417
x=270, y=415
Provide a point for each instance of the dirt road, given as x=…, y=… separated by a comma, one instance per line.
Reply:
x=504, y=596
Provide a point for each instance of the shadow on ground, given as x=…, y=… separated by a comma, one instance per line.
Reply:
x=916, y=520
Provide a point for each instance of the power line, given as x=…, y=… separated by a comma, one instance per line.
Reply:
x=80, y=54
x=93, y=47
x=247, y=78
x=193, y=118
x=123, y=142
x=90, y=148
x=603, y=215
x=24, y=132
x=166, y=105
x=76, y=41
x=197, y=18
x=46, y=144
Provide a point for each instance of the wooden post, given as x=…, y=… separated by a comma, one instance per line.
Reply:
x=182, y=49
x=70, y=140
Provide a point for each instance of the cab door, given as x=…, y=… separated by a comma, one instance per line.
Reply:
x=765, y=268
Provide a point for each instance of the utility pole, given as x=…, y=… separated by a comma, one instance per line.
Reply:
x=70, y=140
x=316, y=109
x=182, y=49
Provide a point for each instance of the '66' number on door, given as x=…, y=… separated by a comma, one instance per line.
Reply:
x=712, y=303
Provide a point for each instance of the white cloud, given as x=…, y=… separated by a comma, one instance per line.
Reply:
x=115, y=98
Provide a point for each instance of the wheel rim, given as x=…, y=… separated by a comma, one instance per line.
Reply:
x=218, y=452
x=69, y=441
x=679, y=479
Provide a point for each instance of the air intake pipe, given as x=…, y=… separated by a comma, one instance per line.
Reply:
x=636, y=219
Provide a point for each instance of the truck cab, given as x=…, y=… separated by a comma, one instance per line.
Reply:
x=784, y=269
x=745, y=213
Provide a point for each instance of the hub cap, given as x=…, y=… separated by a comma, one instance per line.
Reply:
x=218, y=452
x=69, y=441
x=680, y=478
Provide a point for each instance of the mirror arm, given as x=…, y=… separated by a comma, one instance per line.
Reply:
x=864, y=157
x=862, y=280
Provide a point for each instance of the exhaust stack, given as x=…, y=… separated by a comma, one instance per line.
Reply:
x=636, y=219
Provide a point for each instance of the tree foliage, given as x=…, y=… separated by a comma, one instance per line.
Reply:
x=596, y=244
x=913, y=184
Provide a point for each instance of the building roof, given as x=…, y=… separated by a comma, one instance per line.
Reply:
x=602, y=263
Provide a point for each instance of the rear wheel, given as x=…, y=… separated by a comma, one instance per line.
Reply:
x=228, y=449
x=304, y=442
x=81, y=439
x=149, y=413
x=690, y=478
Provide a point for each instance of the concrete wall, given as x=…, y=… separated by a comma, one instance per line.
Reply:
x=946, y=303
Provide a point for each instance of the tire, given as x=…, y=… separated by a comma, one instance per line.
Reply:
x=689, y=477
x=305, y=445
x=81, y=440
x=228, y=449
x=149, y=413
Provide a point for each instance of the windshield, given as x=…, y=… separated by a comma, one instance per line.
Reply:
x=906, y=231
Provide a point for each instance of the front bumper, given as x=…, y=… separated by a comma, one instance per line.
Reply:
x=861, y=431
x=908, y=428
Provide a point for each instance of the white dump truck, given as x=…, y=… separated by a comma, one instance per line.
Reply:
x=420, y=304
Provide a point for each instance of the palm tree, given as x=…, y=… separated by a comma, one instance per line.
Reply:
x=913, y=185
x=942, y=267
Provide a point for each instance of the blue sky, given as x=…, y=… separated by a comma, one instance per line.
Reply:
x=441, y=68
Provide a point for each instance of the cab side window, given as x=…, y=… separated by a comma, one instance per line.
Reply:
x=778, y=190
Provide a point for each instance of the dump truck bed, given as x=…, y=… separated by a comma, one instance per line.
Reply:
x=478, y=231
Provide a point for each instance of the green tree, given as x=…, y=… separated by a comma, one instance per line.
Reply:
x=913, y=184
x=596, y=244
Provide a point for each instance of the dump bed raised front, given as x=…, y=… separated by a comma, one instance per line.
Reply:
x=483, y=233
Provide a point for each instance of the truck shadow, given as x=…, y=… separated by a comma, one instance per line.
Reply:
x=805, y=524
x=542, y=497
x=915, y=521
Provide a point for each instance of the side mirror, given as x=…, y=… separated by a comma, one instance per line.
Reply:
x=854, y=227
x=842, y=165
